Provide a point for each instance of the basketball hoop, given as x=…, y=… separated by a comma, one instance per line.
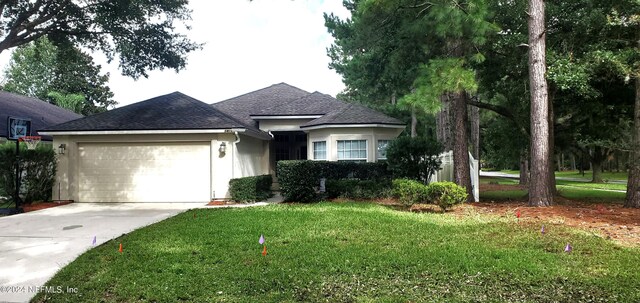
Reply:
x=31, y=141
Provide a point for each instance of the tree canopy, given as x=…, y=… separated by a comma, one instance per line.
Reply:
x=140, y=34
x=54, y=73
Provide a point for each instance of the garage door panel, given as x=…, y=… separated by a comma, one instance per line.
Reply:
x=144, y=172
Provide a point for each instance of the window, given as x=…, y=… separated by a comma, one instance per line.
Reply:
x=320, y=150
x=354, y=150
x=382, y=149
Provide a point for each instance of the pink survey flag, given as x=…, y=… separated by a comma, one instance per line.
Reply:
x=261, y=241
x=568, y=248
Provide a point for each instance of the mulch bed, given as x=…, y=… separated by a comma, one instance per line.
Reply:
x=610, y=220
x=42, y=205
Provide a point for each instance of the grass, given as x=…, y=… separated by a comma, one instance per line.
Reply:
x=575, y=190
x=352, y=252
x=590, y=195
x=589, y=185
x=498, y=180
x=588, y=175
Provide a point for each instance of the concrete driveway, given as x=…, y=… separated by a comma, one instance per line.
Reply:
x=35, y=245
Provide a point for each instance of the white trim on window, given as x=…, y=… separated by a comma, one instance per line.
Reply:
x=352, y=150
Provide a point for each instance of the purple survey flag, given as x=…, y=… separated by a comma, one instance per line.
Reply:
x=542, y=230
x=261, y=241
x=94, y=241
x=568, y=248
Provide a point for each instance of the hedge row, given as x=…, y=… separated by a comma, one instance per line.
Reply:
x=300, y=179
x=251, y=189
x=358, y=189
x=37, y=167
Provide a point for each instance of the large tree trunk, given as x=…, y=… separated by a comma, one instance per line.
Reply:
x=414, y=123
x=633, y=185
x=597, y=158
x=443, y=124
x=461, y=170
x=524, y=168
x=597, y=172
x=540, y=193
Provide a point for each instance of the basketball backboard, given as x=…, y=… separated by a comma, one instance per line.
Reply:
x=18, y=128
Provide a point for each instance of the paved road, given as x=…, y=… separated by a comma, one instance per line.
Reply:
x=35, y=245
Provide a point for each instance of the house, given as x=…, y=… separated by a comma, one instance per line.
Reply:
x=40, y=113
x=174, y=148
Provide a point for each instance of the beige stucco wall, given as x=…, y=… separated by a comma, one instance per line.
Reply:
x=332, y=135
x=251, y=158
x=248, y=158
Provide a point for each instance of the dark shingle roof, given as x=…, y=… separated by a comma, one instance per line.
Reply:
x=353, y=114
x=242, y=107
x=175, y=111
x=41, y=113
x=285, y=100
x=312, y=104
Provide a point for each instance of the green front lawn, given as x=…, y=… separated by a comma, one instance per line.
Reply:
x=353, y=252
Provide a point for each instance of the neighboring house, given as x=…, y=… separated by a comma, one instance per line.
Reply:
x=174, y=148
x=41, y=114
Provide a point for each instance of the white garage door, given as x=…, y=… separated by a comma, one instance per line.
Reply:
x=144, y=172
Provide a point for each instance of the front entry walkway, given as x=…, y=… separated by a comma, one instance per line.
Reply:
x=35, y=245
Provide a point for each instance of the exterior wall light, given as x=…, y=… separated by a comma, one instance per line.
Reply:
x=223, y=148
x=61, y=149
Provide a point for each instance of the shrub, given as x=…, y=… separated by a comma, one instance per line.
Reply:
x=37, y=167
x=409, y=192
x=358, y=189
x=251, y=189
x=414, y=158
x=299, y=179
x=446, y=194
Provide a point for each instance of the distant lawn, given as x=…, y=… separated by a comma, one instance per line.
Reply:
x=497, y=180
x=588, y=175
x=575, y=190
x=607, y=186
x=350, y=253
x=590, y=195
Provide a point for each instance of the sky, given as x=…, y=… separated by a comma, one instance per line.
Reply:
x=248, y=46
